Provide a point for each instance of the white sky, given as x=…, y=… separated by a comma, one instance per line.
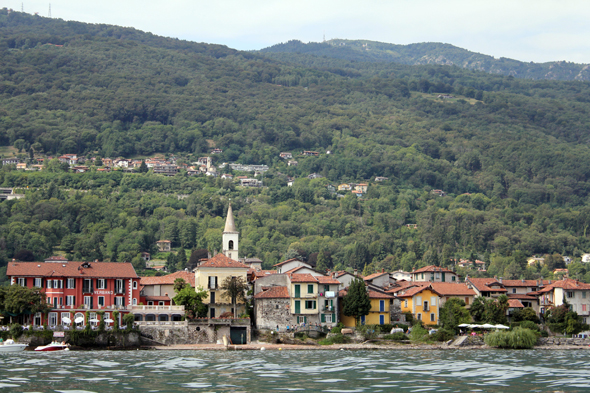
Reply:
x=527, y=30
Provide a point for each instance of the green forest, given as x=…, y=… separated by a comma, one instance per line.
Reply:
x=511, y=154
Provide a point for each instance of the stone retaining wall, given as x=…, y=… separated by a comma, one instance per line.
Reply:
x=563, y=341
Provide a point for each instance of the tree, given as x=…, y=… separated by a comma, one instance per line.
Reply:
x=98, y=162
x=453, y=313
x=17, y=300
x=143, y=168
x=171, y=263
x=356, y=301
x=181, y=259
x=234, y=289
x=196, y=255
x=179, y=285
x=526, y=314
x=477, y=308
x=192, y=300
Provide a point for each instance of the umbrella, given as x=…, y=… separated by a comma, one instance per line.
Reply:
x=66, y=320
x=474, y=326
x=502, y=327
x=488, y=326
x=464, y=325
x=94, y=320
x=109, y=320
x=79, y=320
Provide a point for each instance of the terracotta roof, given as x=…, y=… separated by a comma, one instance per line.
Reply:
x=273, y=293
x=221, y=260
x=515, y=303
x=452, y=289
x=523, y=283
x=566, y=283
x=374, y=275
x=288, y=260
x=71, y=269
x=303, y=278
x=433, y=268
x=483, y=284
x=158, y=298
x=292, y=271
x=169, y=279
x=379, y=295
x=163, y=241
x=415, y=290
x=341, y=273
x=327, y=280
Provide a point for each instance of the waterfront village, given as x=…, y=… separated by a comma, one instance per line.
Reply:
x=292, y=300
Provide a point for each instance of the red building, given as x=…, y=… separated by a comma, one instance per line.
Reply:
x=75, y=287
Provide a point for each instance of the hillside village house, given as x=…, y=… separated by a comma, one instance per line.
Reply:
x=576, y=293
x=434, y=274
x=380, y=309
x=72, y=288
x=159, y=290
x=486, y=287
x=164, y=245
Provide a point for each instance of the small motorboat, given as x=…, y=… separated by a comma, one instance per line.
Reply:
x=11, y=346
x=54, y=346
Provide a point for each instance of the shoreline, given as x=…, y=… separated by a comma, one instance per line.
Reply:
x=337, y=347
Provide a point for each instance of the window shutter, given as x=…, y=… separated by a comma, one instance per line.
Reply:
x=216, y=282
x=419, y=301
x=41, y=286
x=323, y=317
x=433, y=301
x=97, y=283
x=333, y=317
x=305, y=320
x=74, y=301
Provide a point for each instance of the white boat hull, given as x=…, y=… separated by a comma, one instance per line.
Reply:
x=12, y=347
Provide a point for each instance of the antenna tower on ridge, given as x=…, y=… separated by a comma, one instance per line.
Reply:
x=49, y=10
x=324, y=35
x=22, y=7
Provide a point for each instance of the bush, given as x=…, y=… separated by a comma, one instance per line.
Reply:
x=443, y=335
x=16, y=330
x=529, y=325
x=418, y=333
x=369, y=332
x=399, y=336
x=386, y=327
x=128, y=320
x=338, y=328
x=337, y=339
x=519, y=338
x=401, y=326
x=544, y=333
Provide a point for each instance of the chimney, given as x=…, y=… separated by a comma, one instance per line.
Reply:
x=500, y=280
x=523, y=280
x=382, y=270
x=334, y=275
x=355, y=272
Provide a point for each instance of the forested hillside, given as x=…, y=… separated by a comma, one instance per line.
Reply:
x=511, y=154
x=434, y=53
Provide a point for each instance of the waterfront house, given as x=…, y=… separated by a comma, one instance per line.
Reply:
x=159, y=290
x=448, y=290
x=576, y=293
x=380, y=308
x=486, y=287
x=72, y=288
x=422, y=302
x=434, y=274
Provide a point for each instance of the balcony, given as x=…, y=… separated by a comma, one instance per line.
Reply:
x=157, y=308
x=87, y=289
x=328, y=308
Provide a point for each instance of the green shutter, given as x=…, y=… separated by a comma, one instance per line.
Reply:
x=297, y=290
x=334, y=317
x=297, y=306
x=305, y=320
x=323, y=317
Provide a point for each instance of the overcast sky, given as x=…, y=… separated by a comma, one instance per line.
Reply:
x=527, y=30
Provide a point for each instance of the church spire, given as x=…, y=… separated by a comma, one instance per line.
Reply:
x=230, y=226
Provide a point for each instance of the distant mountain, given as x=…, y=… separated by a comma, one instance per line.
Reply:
x=434, y=53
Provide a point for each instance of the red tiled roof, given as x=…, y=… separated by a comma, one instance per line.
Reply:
x=158, y=298
x=273, y=293
x=263, y=273
x=521, y=296
x=292, y=271
x=415, y=290
x=169, y=279
x=515, y=303
x=523, y=283
x=374, y=275
x=221, y=260
x=303, y=278
x=566, y=283
x=452, y=289
x=163, y=241
x=433, y=268
x=327, y=280
x=379, y=295
x=71, y=269
x=483, y=284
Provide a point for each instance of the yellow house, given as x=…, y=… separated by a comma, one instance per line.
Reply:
x=422, y=302
x=211, y=274
x=304, y=298
x=379, y=313
x=344, y=187
x=362, y=187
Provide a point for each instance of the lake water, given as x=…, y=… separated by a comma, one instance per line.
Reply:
x=318, y=371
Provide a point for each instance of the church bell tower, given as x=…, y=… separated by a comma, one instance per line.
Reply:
x=230, y=236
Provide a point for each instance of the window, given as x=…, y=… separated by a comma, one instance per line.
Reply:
x=119, y=301
x=65, y=315
x=52, y=318
x=513, y=290
x=150, y=303
x=230, y=245
x=422, y=276
x=87, y=286
x=453, y=278
x=570, y=294
x=49, y=284
x=310, y=304
x=88, y=301
x=309, y=288
x=466, y=301
x=328, y=318
x=134, y=284
x=431, y=276
x=92, y=315
x=584, y=295
x=426, y=306
x=101, y=283
x=382, y=305
x=101, y=301
x=119, y=286
x=71, y=283
x=212, y=282
x=38, y=282
x=211, y=313
x=584, y=307
x=363, y=319
x=22, y=281
x=54, y=302
x=160, y=303
x=70, y=300
x=405, y=303
x=297, y=290
x=326, y=288
x=419, y=317
x=134, y=301
x=57, y=284
x=212, y=300
x=61, y=301
x=381, y=319
x=431, y=317
x=301, y=319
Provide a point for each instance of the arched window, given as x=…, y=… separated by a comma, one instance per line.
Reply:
x=231, y=245
x=163, y=318
x=150, y=318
